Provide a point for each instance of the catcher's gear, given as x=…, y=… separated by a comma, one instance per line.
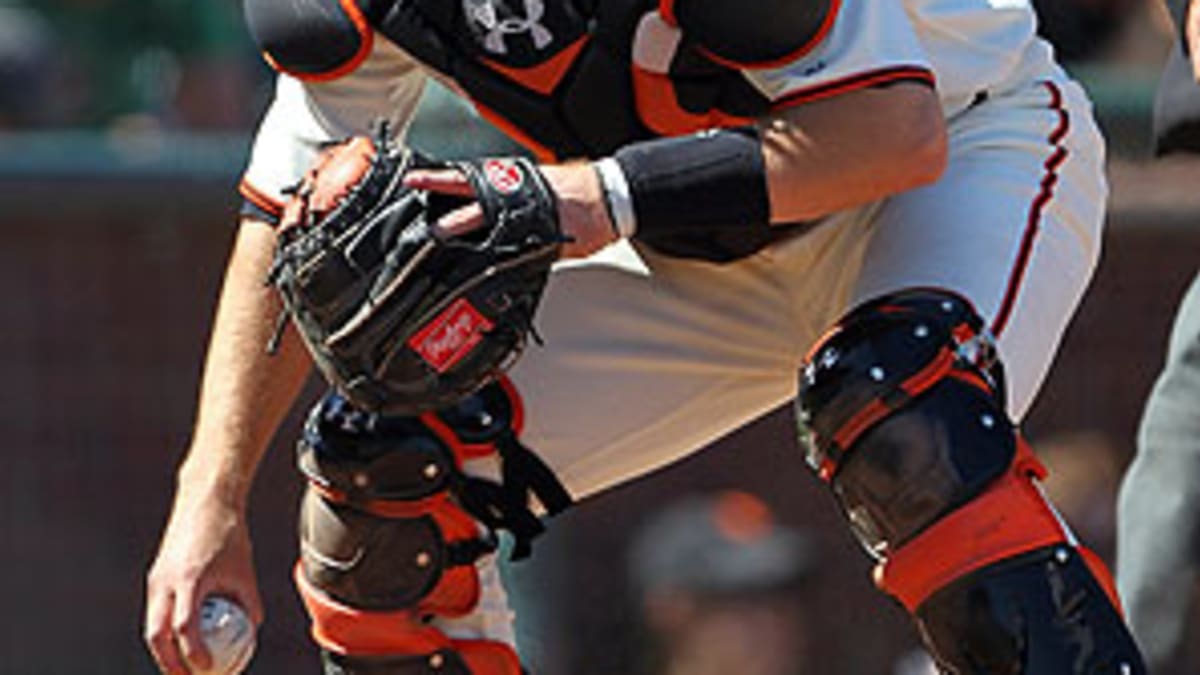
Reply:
x=904, y=416
x=392, y=530
x=399, y=317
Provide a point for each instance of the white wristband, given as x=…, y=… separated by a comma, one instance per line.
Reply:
x=616, y=194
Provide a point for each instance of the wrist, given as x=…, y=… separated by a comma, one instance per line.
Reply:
x=706, y=182
x=617, y=199
x=200, y=481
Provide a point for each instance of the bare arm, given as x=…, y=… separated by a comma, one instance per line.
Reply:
x=246, y=392
x=244, y=396
x=852, y=149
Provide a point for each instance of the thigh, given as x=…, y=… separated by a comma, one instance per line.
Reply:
x=1014, y=224
x=648, y=358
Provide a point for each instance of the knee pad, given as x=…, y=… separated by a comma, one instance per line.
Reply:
x=391, y=529
x=902, y=413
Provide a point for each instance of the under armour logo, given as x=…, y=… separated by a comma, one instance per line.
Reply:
x=485, y=14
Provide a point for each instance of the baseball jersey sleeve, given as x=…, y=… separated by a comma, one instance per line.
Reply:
x=868, y=43
x=305, y=115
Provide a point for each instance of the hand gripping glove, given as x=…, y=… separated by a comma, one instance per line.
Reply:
x=399, y=317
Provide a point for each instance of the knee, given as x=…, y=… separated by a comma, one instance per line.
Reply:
x=901, y=408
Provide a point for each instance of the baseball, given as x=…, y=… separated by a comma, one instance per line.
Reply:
x=228, y=635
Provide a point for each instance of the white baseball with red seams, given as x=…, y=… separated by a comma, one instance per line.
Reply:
x=228, y=634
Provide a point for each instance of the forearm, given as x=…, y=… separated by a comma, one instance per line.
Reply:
x=245, y=392
x=800, y=164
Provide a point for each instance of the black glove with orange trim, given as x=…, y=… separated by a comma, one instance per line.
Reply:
x=399, y=316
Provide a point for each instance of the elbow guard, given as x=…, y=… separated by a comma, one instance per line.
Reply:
x=755, y=33
x=310, y=39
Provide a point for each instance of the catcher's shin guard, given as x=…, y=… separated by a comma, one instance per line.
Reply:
x=392, y=529
x=902, y=412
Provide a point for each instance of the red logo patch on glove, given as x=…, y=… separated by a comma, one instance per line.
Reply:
x=503, y=175
x=451, y=335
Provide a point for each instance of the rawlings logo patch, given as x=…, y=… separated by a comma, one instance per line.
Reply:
x=503, y=175
x=451, y=335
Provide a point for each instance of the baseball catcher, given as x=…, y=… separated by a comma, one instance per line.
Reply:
x=731, y=178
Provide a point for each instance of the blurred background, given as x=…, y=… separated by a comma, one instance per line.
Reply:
x=123, y=127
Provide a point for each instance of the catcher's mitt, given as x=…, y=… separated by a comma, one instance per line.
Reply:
x=397, y=316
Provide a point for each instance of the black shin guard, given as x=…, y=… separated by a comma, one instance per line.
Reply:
x=904, y=416
x=392, y=528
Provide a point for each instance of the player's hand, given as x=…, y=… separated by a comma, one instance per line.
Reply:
x=582, y=213
x=205, y=550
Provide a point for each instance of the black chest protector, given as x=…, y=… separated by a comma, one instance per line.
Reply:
x=566, y=78
x=559, y=75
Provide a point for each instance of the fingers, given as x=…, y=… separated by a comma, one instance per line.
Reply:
x=460, y=221
x=445, y=181
x=159, y=635
x=451, y=182
x=185, y=622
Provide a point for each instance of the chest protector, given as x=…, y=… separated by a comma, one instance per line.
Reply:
x=566, y=78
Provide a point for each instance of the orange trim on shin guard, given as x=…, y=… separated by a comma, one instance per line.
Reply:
x=1103, y=577
x=488, y=657
x=346, y=630
x=1009, y=518
x=352, y=632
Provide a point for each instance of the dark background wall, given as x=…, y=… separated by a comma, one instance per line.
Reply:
x=110, y=285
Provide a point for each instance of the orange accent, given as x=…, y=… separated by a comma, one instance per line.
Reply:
x=462, y=451
x=871, y=413
x=962, y=332
x=1008, y=519
x=941, y=366
x=666, y=9
x=545, y=76
x=827, y=469
x=1103, y=577
x=741, y=517
x=366, y=41
x=541, y=152
x=659, y=109
x=973, y=380
x=822, y=32
x=260, y=199
x=821, y=341
x=858, y=423
x=514, y=399
x=348, y=631
x=487, y=657
x=345, y=630
x=467, y=451
x=854, y=82
x=455, y=594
